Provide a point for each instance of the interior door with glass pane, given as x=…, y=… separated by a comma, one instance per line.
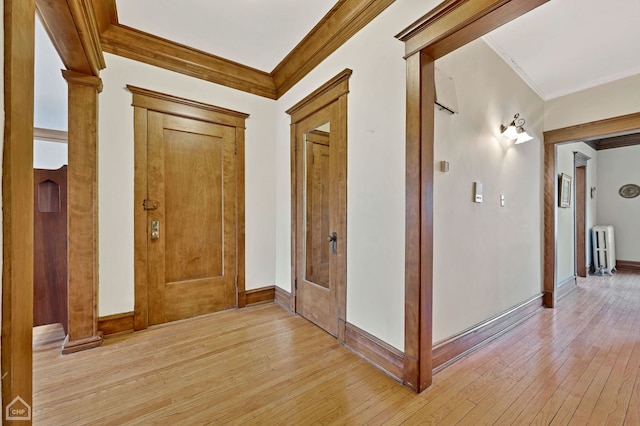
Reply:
x=320, y=223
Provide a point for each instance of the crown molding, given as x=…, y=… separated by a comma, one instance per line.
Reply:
x=344, y=20
x=143, y=47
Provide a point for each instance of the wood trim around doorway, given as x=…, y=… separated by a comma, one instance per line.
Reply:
x=146, y=100
x=581, y=132
x=334, y=90
x=448, y=26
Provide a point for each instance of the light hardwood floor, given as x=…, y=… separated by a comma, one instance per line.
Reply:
x=577, y=364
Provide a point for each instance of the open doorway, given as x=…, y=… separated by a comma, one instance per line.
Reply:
x=50, y=159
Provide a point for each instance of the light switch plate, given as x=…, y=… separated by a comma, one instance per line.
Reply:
x=477, y=188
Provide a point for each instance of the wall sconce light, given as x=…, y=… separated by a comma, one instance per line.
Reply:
x=515, y=130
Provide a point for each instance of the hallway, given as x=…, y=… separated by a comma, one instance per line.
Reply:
x=576, y=364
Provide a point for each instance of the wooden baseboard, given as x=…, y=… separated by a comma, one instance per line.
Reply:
x=627, y=265
x=69, y=347
x=382, y=355
x=283, y=298
x=260, y=295
x=447, y=352
x=116, y=324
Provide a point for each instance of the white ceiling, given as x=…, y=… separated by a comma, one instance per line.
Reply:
x=257, y=33
x=561, y=47
x=565, y=46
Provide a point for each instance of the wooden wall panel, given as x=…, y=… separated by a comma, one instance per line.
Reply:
x=50, y=299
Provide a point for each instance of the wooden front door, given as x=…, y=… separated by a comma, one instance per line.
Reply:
x=191, y=217
x=50, y=247
x=320, y=196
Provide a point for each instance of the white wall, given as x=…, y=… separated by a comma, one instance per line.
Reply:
x=565, y=237
x=49, y=155
x=617, y=167
x=116, y=174
x=487, y=258
x=376, y=171
x=606, y=101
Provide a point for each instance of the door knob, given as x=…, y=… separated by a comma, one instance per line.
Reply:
x=333, y=239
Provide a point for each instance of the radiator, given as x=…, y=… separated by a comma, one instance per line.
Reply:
x=604, y=250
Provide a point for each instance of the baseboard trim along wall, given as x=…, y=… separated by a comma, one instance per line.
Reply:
x=123, y=323
x=447, y=352
x=283, y=298
x=116, y=324
x=566, y=287
x=627, y=265
x=260, y=295
x=373, y=350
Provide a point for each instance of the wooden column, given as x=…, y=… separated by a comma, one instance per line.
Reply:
x=419, y=222
x=82, y=208
x=17, y=209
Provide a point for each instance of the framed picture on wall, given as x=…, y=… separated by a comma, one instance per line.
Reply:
x=565, y=191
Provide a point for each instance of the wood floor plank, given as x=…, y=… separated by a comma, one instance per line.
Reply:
x=578, y=363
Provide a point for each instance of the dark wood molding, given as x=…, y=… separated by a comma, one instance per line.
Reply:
x=549, y=228
x=378, y=353
x=454, y=23
x=419, y=216
x=73, y=30
x=447, y=27
x=143, y=101
x=17, y=202
x=50, y=135
x=627, y=265
x=139, y=46
x=595, y=129
x=343, y=21
x=260, y=295
x=283, y=298
x=616, y=141
x=322, y=96
x=116, y=324
x=450, y=350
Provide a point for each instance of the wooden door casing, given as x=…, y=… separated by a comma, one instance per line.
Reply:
x=200, y=213
x=581, y=234
x=319, y=205
x=50, y=299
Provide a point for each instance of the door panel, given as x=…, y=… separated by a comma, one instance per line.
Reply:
x=320, y=176
x=317, y=210
x=191, y=175
x=50, y=299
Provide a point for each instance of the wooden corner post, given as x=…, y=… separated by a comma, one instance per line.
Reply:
x=82, y=207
